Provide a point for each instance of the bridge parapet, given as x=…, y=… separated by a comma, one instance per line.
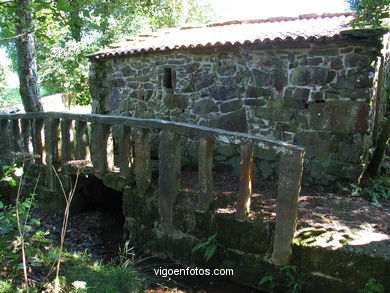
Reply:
x=58, y=138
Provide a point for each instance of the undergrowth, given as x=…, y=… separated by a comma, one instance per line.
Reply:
x=375, y=189
x=29, y=259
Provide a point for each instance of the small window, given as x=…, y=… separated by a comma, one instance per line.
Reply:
x=169, y=78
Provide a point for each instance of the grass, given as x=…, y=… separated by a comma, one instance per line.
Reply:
x=83, y=273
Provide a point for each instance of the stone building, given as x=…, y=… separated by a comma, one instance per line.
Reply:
x=311, y=80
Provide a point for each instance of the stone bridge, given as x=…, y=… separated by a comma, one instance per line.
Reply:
x=117, y=150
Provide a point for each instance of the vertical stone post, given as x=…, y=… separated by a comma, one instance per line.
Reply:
x=66, y=146
x=169, y=177
x=56, y=131
x=51, y=142
x=82, y=150
x=289, y=186
x=25, y=135
x=37, y=140
x=125, y=151
x=244, y=200
x=143, y=168
x=99, y=133
x=5, y=139
x=15, y=130
x=205, y=175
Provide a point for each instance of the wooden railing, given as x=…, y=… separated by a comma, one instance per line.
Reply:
x=23, y=133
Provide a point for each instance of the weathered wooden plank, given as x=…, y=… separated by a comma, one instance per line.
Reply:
x=125, y=151
x=15, y=137
x=66, y=145
x=82, y=149
x=169, y=177
x=5, y=139
x=99, y=133
x=289, y=185
x=243, y=201
x=25, y=135
x=37, y=127
x=143, y=168
x=205, y=175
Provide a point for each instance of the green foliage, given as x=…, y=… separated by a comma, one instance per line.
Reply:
x=370, y=12
x=10, y=97
x=291, y=278
x=372, y=286
x=34, y=240
x=268, y=279
x=210, y=246
x=66, y=70
x=375, y=189
x=3, y=82
x=65, y=31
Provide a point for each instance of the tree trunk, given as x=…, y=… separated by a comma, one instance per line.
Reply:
x=383, y=140
x=27, y=65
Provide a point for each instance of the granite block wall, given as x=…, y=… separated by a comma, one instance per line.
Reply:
x=319, y=97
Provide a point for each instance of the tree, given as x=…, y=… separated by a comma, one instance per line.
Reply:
x=370, y=13
x=25, y=47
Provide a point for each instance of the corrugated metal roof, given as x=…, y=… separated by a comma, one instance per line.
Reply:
x=310, y=27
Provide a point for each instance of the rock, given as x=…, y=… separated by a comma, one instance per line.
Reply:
x=279, y=78
x=227, y=69
x=336, y=63
x=326, y=116
x=357, y=60
x=234, y=121
x=204, y=106
x=230, y=106
x=296, y=98
x=354, y=79
x=311, y=61
x=202, y=80
x=309, y=76
x=261, y=78
x=255, y=102
x=255, y=92
x=223, y=93
x=128, y=71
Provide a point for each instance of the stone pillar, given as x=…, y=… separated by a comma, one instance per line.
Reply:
x=100, y=133
x=169, y=177
x=5, y=139
x=37, y=140
x=205, y=175
x=289, y=185
x=125, y=151
x=51, y=147
x=244, y=200
x=143, y=169
x=25, y=135
x=15, y=130
x=66, y=145
x=82, y=151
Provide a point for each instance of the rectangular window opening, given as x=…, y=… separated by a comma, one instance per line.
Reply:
x=168, y=78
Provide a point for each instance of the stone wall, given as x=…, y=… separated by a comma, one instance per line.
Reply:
x=318, y=97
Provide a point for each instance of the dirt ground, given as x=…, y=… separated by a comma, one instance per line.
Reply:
x=354, y=217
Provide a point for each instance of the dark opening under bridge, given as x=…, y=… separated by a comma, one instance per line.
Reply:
x=55, y=139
